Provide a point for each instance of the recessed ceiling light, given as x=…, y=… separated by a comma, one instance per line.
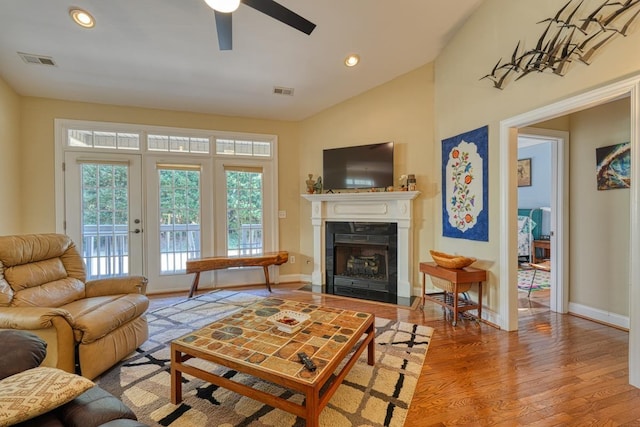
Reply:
x=82, y=17
x=351, y=60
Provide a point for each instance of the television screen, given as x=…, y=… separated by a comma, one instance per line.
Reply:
x=363, y=166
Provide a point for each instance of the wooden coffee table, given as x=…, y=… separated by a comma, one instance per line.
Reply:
x=248, y=343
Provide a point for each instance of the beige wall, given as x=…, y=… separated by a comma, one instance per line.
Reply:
x=599, y=225
x=10, y=208
x=463, y=102
x=37, y=135
x=400, y=111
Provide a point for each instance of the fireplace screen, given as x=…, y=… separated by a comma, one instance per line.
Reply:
x=368, y=262
x=361, y=260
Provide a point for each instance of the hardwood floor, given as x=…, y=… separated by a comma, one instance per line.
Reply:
x=557, y=370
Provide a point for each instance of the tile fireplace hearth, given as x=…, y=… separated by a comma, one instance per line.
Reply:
x=362, y=270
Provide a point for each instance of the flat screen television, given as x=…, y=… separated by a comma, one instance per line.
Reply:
x=362, y=166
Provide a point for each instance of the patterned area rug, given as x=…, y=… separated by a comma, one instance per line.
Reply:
x=526, y=274
x=369, y=396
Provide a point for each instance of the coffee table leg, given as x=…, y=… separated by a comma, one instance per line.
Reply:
x=424, y=284
x=176, y=377
x=311, y=404
x=371, y=348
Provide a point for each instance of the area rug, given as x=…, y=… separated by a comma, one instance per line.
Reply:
x=377, y=395
x=542, y=280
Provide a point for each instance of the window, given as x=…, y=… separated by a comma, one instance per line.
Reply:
x=243, y=147
x=105, y=210
x=178, y=144
x=101, y=139
x=179, y=217
x=244, y=211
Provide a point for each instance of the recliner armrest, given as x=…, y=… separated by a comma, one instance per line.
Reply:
x=31, y=318
x=115, y=286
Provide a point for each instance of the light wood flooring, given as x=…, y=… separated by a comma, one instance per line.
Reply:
x=557, y=370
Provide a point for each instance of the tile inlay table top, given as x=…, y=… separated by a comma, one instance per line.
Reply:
x=247, y=342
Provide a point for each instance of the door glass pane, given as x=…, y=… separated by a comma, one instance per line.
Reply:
x=179, y=218
x=244, y=212
x=105, y=218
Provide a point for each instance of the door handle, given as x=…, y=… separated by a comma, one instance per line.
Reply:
x=136, y=231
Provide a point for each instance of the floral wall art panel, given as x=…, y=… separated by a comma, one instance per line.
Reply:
x=465, y=185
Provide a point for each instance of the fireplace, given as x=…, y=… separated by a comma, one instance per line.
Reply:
x=395, y=209
x=361, y=260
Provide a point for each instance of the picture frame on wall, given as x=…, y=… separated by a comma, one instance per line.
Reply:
x=524, y=172
x=613, y=166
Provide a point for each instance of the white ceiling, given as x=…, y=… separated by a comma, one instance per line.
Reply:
x=164, y=53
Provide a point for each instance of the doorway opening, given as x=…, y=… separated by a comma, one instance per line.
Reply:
x=537, y=180
x=508, y=148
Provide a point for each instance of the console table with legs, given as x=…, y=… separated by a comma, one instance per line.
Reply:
x=453, y=282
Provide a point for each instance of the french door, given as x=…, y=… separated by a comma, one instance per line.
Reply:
x=103, y=212
x=179, y=218
x=116, y=235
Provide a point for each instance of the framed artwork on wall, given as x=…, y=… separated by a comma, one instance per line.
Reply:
x=465, y=185
x=524, y=172
x=613, y=166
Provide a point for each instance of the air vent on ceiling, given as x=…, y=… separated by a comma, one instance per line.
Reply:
x=279, y=90
x=36, y=59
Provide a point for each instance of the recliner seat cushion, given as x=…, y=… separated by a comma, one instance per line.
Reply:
x=96, y=317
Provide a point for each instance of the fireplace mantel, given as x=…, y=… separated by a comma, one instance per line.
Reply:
x=392, y=206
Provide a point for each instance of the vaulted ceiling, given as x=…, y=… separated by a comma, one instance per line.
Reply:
x=164, y=53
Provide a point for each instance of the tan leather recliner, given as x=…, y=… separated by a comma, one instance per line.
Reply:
x=88, y=326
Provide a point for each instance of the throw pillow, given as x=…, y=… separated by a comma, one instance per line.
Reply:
x=36, y=391
x=21, y=350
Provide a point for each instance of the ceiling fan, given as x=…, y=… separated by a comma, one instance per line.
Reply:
x=223, y=9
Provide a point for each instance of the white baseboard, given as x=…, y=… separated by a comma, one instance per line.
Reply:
x=599, y=315
x=291, y=278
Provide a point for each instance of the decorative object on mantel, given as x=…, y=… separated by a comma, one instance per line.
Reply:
x=571, y=34
x=411, y=182
x=407, y=182
x=310, y=184
x=318, y=186
x=465, y=185
x=403, y=182
x=451, y=261
x=314, y=187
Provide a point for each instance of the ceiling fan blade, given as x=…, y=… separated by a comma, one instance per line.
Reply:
x=224, y=26
x=282, y=14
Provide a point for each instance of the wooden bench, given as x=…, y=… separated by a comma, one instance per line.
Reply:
x=221, y=262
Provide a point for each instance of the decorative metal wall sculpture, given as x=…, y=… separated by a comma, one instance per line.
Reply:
x=572, y=34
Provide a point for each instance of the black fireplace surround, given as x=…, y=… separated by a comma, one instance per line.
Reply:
x=361, y=260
